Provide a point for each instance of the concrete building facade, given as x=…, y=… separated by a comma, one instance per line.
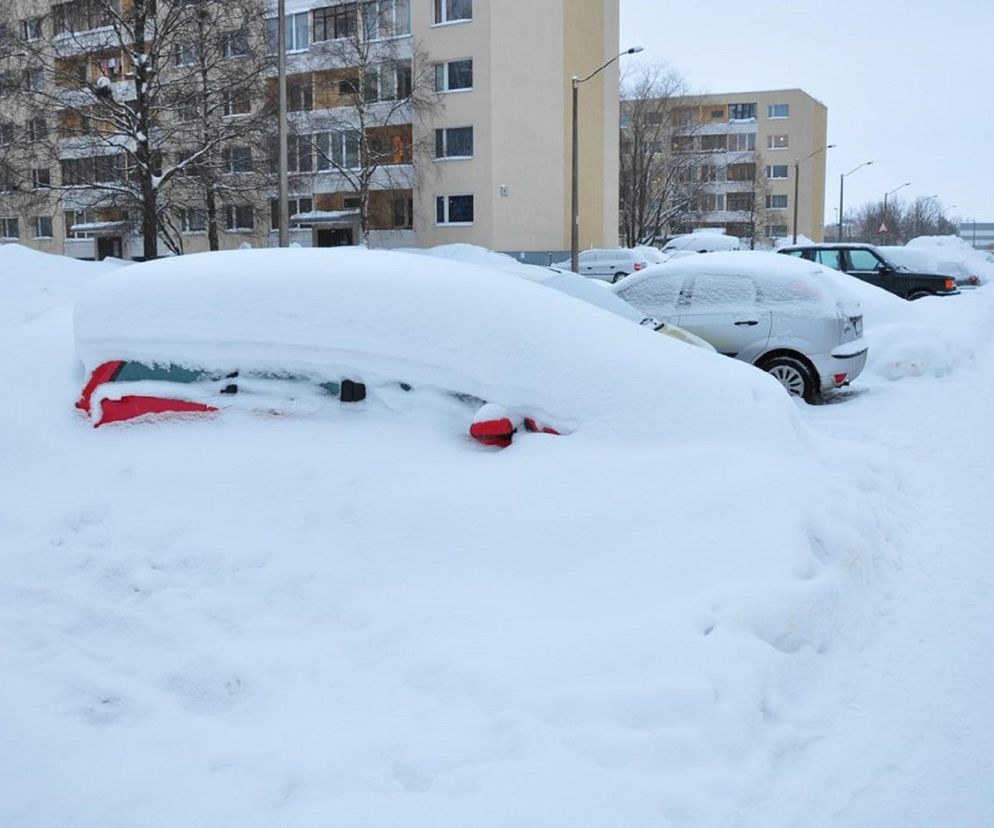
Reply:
x=488, y=163
x=756, y=149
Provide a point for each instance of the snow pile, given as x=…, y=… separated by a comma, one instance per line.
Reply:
x=33, y=282
x=957, y=250
x=369, y=619
x=381, y=317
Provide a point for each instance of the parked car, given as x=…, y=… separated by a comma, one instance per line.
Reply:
x=608, y=265
x=934, y=260
x=701, y=242
x=866, y=262
x=784, y=316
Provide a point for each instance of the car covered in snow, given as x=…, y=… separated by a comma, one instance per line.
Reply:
x=318, y=332
x=606, y=264
x=784, y=316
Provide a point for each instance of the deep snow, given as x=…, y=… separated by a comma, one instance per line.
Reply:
x=367, y=619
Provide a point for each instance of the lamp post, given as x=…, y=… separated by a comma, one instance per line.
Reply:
x=281, y=117
x=575, y=199
x=797, y=176
x=842, y=182
x=883, y=220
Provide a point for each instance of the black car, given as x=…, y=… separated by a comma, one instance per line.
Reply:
x=865, y=262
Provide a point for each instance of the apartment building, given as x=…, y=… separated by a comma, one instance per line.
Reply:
x=743, y=156
x=463, y=105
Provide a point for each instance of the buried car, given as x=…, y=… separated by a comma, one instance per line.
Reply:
x=325, y=331
x=783, y=315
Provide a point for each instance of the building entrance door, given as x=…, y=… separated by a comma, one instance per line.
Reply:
x=334, y=237
x=108, y=246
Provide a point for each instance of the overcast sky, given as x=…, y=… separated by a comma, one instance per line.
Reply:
x=908, y=85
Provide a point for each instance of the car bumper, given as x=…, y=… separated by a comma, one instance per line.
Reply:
x=842, y=365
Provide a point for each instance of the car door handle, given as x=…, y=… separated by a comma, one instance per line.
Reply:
x=747, y=322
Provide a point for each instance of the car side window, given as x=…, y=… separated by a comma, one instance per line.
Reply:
x=829, y=258
x=797, y=253
x=717, y=291
x=863, y=260
x=657, y=295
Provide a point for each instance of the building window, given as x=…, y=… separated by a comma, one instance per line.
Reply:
x=337, y=150
x=714, y=143
x=299, y=154
x=237, y=104
x=403, y=213
x=83, y=15
x=778, y=111
x=239, y=217
x=447, y=11
x=711, y=202
x=31, y=28
x=776, y=202
x=348, y=86
x=236, y=44
x=388, y=82
x=776, y=231
x=43, y=227
x=194, y=220
x=41, y=178
x=455, y=209
x=300, y=96
x=34, y=80
x=184, y=54
x=386, y=18
x=74, y=218
x=9, y=228
x=742, y=141
x=777, y=142
x=333, y=22
x=454, y=75
x=37, y=129
x=741, y=172
x=777, y=171
x=238, y=159
x=6, y=133
x=6, y=179
x=711, y=172
x=683, y=143
x=740, y=202
x=297, y=33
x=742, y=112
x=454, y=142
x=294, y=206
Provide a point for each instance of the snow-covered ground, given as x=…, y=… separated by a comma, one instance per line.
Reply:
x=767, y=614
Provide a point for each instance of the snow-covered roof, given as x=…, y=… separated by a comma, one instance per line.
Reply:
x=97, y=226
x=315, y=216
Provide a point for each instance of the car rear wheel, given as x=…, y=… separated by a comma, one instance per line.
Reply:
x=619, y=276
x=917, y=294
x=793, y=375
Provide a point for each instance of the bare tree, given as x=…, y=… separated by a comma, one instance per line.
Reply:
x=381, y=85
x=118, y=81
x=903, y=221
x=660, y=159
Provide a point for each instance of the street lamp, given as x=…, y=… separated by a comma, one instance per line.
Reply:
x=883, y=220
x=797, y=176
x=575, y=201
x=842, y=182
x=281, y=127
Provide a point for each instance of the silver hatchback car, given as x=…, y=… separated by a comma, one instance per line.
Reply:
x=786, y=316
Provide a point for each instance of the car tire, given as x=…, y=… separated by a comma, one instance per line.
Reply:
x=793, y=375
x=917, y=294
x=619, y=276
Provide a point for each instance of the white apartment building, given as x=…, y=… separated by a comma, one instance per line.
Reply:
x=487, y=163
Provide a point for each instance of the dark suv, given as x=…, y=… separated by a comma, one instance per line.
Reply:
x=865, y=262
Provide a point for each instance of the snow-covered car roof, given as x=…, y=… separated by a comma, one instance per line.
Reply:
x=381, y=316
x=792, y=279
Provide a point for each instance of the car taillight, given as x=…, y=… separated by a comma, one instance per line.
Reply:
x=639, y=265
x=973, y=280
x=950, y=284
x=840, y=378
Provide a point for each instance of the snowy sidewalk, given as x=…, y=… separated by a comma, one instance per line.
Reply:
x=911, y=742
